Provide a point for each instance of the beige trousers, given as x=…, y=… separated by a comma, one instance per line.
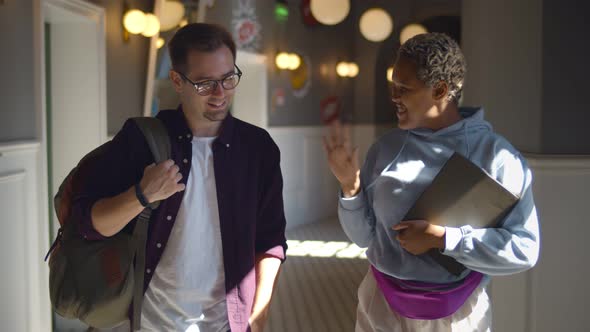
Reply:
x=375, y=315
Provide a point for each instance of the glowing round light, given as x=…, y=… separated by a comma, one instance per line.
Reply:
x=160, y=42
x=347, y=69
x=294, y=61
x=342, y=69
x=410, y=31
x=152, y=26
x=171, y=14
x=353, y=69
x=329, y=12
x=134, y=21
x=282, y=60
x=376, y=24
x=390, y=74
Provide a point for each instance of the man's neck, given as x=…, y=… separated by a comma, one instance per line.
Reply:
x=201, y=127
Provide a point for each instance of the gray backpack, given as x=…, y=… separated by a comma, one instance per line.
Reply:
x=96, y=281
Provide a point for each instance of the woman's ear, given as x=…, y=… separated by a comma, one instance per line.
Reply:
x=440, y=91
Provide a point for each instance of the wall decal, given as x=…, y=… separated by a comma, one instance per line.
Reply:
x=301, y=78
x=246, y=28
x=330, y=108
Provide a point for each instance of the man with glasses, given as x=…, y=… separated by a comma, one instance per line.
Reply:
x=216, y=243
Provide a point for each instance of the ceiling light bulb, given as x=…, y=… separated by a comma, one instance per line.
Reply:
x=134, y=21
x=172, y=13
x=329, y=12
x=410, y=31
x=353, y=69
x=282, y=60
x=160, y=42
x=342, y=69
x=152, y=26
x=294, y=61
x=376, y=24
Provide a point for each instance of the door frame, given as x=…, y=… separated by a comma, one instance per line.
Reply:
x=42, y=13
x=88, y=12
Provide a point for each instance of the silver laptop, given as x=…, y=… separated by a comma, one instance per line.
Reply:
x=462, y=194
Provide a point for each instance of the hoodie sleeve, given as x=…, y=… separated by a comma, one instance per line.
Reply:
x=355, y=213
x=510, y=248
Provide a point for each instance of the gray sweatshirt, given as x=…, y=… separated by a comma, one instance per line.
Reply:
x=401, y=164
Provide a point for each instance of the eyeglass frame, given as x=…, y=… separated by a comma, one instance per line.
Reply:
x=217, y=82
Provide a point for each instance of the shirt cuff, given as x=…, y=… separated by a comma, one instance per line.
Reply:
x=351, y=203
x=453, y=238
x=277, y=252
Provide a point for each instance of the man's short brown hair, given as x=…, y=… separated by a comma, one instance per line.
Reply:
x=202, y=37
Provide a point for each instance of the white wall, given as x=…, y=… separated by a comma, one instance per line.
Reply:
x=559, y=283
x=565, y=77
x=18, y=36
x=310, y=190
x=78, y=96
x=553, y=295
x=502, y=44
x=24, y=240
x=250, y=100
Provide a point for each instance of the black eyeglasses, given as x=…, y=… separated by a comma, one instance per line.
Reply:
x=207, y=87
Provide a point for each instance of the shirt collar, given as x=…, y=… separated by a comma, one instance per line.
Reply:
x=178, y=127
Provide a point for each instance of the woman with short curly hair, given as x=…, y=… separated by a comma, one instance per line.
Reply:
x=406, y=289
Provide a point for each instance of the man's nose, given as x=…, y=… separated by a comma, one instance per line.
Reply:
x=218, y=91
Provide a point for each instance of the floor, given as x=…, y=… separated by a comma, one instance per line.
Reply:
x=318, y=283
x=317, y=287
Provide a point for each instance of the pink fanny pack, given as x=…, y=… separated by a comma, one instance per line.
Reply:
x=419, y=300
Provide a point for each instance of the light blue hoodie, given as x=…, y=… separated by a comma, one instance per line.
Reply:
x=401, y=164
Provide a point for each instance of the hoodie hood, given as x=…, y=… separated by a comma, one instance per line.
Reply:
x=473, y=120
x=472, y=124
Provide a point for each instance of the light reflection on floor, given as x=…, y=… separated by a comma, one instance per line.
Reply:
x=317, y=288
x=339, y=249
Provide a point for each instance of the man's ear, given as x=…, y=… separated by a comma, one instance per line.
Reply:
x=440, y=91
x=176, y=79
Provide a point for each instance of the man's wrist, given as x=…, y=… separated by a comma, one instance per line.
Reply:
x=140, y=196
x=257, y=323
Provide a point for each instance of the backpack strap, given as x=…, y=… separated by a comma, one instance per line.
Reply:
x=139, y=242
x=158, y=141
x=156, y=136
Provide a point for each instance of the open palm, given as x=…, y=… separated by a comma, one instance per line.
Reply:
x=342, y=158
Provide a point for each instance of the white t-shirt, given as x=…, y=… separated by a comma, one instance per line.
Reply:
x=187, y=291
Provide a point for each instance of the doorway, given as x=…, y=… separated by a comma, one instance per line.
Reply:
x=75, y=96
x=250, y=100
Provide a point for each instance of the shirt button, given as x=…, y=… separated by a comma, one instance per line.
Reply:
x=159, y=245
x=169, y=218
x=148, y=271
x=179, y=137
x=188, y=135
x=185, y=161
x=227, y=145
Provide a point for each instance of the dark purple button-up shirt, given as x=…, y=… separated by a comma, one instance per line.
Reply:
x=249, y=196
